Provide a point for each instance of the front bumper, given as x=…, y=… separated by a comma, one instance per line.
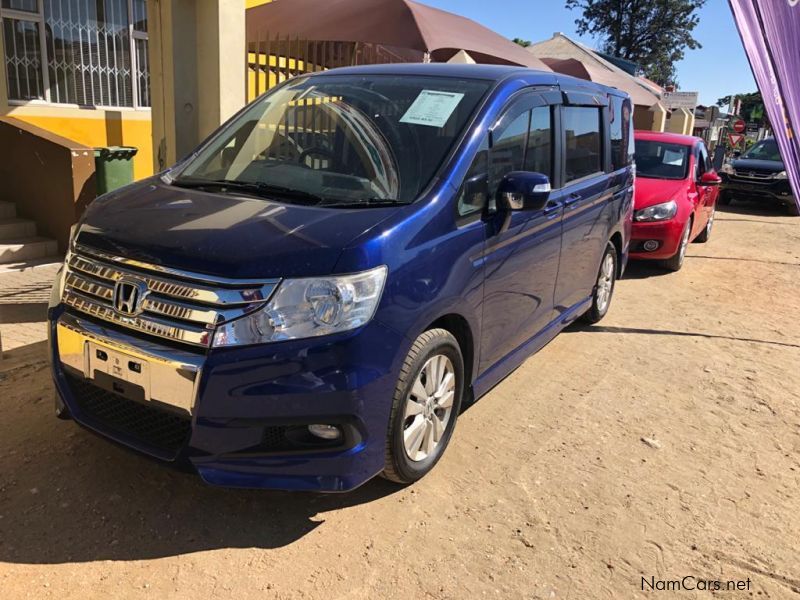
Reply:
x=249, y=406
x=771, y=190
x=666, y=234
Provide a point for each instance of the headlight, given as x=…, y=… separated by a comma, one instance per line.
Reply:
x=781, y=175
x=727, y=168
x=657, y=212
x=304, y=308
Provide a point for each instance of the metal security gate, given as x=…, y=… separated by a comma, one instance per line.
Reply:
x=273, y=58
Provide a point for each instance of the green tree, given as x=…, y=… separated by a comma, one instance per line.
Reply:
x=752, y=109
x=653, y=33
x=521, y=42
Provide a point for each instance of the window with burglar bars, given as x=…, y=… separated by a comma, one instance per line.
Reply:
x=84, y=52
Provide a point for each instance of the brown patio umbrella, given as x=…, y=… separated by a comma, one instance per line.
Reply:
x=397, y=23
x=624, y=82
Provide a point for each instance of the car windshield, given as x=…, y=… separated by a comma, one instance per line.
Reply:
x=339, y=140
x=661, y=160
x=764, y=150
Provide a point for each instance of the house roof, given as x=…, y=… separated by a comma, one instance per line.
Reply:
x=394, y=23
x=560, y=53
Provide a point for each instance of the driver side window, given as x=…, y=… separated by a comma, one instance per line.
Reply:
x=490, y=166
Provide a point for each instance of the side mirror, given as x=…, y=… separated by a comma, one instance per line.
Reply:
x=476, y=190
x=523, y=190
x=710, y=178
x=737, y=153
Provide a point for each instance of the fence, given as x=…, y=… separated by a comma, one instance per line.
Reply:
x=272, y=59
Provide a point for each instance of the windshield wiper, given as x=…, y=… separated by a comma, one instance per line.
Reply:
x=367, y=203
x=258, y=188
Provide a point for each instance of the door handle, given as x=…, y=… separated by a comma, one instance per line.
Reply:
x=552, y=207
x=572, y=199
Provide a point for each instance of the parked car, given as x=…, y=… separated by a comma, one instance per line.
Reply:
x=310, y=298
x=758, y=175
x=676, y=196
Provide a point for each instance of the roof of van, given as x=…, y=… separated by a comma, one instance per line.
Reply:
x=496, y=73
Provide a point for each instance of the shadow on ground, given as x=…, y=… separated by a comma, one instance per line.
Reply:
x=768, y=211
x=643, y=269
x=68, y=496
x=578, y=326
x=23, y=312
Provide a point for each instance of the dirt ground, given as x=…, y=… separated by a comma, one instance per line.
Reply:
x=662, y=443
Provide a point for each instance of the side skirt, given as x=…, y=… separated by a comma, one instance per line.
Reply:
x=502, y=368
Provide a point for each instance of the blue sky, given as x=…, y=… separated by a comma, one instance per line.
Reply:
x=718, y=69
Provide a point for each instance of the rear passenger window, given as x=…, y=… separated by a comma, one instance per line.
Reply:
x=583, y=155
x=539, y=157
x=620, y=115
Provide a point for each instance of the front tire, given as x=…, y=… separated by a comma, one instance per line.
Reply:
x=705, y=235
x=604, y=285
x=725, y=199
x=425, y=406
x=793, y=209
x=676, y=262
x=60, y=409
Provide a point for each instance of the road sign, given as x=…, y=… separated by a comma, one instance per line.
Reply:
x=673, y=100
x=735, y=139
x=739, y=126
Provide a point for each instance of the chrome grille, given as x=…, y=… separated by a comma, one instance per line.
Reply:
x=753, y=174
x=179, y=306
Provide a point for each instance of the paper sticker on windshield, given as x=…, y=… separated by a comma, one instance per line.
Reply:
x=671, y=157
x=432, y=108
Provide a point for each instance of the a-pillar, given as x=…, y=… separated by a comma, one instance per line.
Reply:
x=197, y=71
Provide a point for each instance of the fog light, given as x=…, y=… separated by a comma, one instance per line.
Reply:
x=650, y=245
x=326, y=432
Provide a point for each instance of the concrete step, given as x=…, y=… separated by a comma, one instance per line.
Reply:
x=8, y=210
x=27, y=248
x=14, y=229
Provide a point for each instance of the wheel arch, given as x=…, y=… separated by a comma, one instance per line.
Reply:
x=460, y=328
x=616, y=241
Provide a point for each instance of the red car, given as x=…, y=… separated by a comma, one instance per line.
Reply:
x=675, y=199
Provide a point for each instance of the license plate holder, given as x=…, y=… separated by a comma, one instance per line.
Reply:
x=122, y=373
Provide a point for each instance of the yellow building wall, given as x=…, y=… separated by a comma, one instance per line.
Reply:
x=99, y=127
x=95, y=127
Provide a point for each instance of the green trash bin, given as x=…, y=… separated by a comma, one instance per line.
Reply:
x=113, y=167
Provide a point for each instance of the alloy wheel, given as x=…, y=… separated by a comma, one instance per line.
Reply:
x=685, y=241
x=429, y=407
x=605, y=283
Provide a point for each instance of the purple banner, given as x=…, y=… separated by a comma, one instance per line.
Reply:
x=770, y=31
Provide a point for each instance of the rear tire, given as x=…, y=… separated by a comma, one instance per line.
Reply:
x=676, y=262
x=604, y=285
x=425, y=407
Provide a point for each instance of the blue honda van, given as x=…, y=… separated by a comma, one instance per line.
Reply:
x=312, y=296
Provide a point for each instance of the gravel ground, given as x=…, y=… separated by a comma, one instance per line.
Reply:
x=662, y=443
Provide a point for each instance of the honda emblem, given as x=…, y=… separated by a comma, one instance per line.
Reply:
x=129, y=294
